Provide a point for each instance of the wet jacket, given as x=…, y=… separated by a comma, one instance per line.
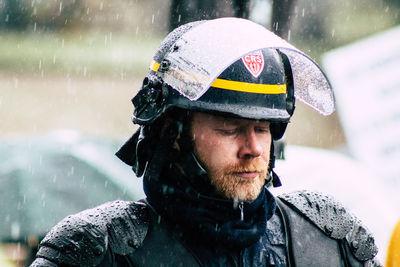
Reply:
x=309, y=229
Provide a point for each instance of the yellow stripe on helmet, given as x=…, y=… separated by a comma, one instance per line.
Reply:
x=250, y=87
x=154, y=65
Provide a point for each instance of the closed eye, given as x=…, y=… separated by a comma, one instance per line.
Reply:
x=261, y=129
x=228, y=132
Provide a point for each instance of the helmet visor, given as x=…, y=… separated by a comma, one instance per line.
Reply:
x=203, y=53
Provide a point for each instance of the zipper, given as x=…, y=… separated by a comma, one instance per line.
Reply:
x=241, y=207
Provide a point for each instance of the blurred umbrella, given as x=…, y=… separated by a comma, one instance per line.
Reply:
x=43, y=179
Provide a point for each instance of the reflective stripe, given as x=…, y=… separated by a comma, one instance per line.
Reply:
x=154, y=66
x=250, y=87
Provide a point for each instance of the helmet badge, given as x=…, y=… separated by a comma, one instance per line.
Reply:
x=254, y=62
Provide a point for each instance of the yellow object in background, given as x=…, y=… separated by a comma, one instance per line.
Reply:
x=5, y=258
x=393, y=253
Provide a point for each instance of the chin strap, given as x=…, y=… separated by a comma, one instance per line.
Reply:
x=272, y=177
x=188, y=159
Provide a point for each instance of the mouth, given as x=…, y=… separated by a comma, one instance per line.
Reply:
x=247, y=174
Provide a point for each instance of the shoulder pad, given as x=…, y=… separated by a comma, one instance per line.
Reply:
x=334, y=220
x=361, y=241
x=83, y=238
x=324, y=211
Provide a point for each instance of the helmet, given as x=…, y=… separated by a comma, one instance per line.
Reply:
x=256, y=86
x=227, y=66
x=231, y=66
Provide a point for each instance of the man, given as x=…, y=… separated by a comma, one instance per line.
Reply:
x=217, y=94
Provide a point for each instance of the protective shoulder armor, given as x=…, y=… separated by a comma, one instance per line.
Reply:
x=332, y=218
x=83, y=239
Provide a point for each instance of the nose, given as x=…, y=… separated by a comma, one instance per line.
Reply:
x=250, y=147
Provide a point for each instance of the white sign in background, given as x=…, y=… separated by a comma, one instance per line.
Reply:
x=366, y=80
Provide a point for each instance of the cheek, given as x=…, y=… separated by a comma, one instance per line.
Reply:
x=213, y=152
x=266, y=152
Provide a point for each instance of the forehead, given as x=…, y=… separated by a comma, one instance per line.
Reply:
x=203, y=118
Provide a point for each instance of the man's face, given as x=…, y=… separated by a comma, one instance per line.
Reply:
x=235, y=153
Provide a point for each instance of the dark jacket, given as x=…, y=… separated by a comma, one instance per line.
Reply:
x=309, y=229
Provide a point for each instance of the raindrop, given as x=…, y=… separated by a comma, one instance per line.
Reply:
x=152, y=19
x=61, y=6
x=84, y=71
x=101, y=6
x=34, y=27
x=54, y=59
x=105, y=184
x=15, y=230
x=15, y=83
x=71, y=171
x=235, y=203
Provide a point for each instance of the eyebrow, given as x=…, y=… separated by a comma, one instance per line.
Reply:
x=239, y=122
x=228, y=120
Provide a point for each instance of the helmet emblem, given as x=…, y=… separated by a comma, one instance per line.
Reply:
x=254, y=62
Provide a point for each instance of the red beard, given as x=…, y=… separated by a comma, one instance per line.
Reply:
x=230, y=185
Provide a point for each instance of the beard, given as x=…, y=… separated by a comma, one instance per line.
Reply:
x=228, y=184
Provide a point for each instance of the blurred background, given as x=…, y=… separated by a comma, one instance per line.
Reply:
x=68, y=69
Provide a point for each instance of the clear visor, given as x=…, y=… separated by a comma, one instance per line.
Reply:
x=204, y=52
